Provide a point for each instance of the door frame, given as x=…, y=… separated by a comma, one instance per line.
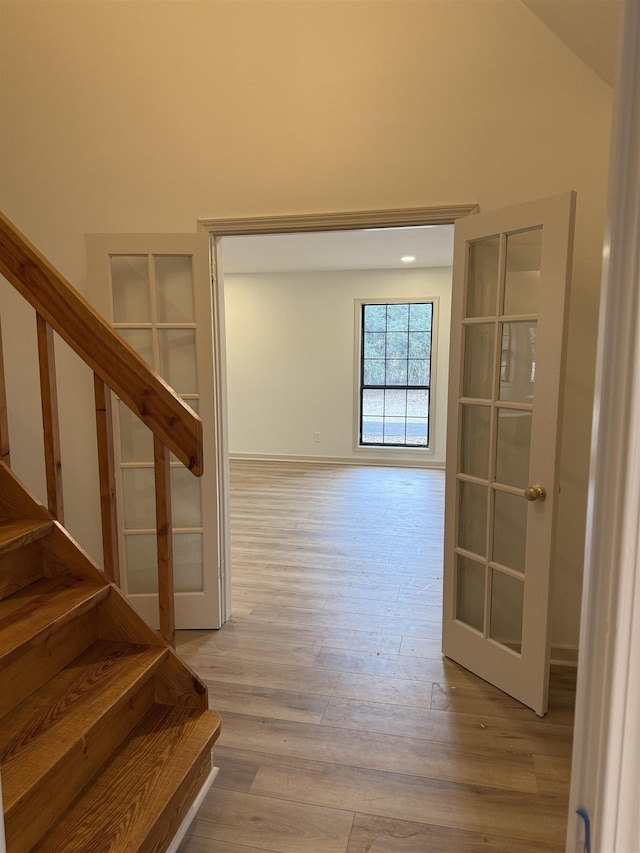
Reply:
x=607, y=730
x=289, y=224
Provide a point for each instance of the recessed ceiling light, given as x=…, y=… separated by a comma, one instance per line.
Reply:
x=408, y=259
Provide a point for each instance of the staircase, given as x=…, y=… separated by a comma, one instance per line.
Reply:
x=105, y=739
x=105, y=735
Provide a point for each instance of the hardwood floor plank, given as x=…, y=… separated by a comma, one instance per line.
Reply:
x=385, y=752
x=281, y=826
x=383, y=607
x=201, y=844
x=262, y=649
x=332, y=637
x=264, y=702
x=518, y=734
x=515, y=814
x=355, y=621
x=382, y=835
x=396, y=691
x=553, y=773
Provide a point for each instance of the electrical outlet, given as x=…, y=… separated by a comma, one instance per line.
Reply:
x=317, y=436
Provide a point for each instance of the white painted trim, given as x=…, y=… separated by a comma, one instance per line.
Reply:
x=188, y=818
x=337, y=221
x=343, y=460
x=606, y=768
x=221, y=425
x=564, y=656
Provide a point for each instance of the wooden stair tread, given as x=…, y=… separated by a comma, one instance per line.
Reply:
x=46, y=728
x=17, y=532
x=37, y=610
x=146, y=778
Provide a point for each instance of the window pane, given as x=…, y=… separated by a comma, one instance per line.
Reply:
x=396, y=372
x=510, y=530
x=397, y=345
x=374, y=371
x=478, y=361
x=142, y=563
x=482, y=281
x=372, y=429
x=419, y=372
x=130, y=288
x=395, y=403
x=374, y=345
x=178, y=359
x=417, y=404
x=470, y=592
x=372, y=402
x=518, y=361
x=397, y=317
x=420, y=316
x=136, y=439
x=513, y=447
x=187, y=561
x=186, y=508
x=174, y=287
x=375, y=318
x=141, y=341
x=394, y=430
x=419, y=344
x=472, y=528
x=139, y=494
x=474, y=441
x=522, y=276
x=507, y=598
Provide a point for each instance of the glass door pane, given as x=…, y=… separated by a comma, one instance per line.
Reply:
x=153, y=308
x=498, y=368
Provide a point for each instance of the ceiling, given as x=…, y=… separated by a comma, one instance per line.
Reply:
x=378, y=248
x=590, y=28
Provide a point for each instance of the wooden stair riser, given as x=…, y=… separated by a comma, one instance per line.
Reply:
x=26, y=823
x=19, y=568
x=38, y=611
x=39, y=663
x=14, y=533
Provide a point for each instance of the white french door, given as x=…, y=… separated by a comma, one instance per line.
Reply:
x=156, y=291
x=510, y=286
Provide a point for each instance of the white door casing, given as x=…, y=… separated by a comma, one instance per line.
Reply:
x=509, y=303
x=156, y=291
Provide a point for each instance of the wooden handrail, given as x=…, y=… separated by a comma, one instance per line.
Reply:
x=93, y=339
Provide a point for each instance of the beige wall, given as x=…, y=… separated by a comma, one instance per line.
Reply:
x=290, y=351
x=143, y=116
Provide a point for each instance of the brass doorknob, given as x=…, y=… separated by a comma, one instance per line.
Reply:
x=535, y=493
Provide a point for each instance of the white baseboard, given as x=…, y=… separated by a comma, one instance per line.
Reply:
x=188, y=818
x=564, y=655
x=368, y=461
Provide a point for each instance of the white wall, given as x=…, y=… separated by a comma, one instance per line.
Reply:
x=144, y=116
x=290, y=360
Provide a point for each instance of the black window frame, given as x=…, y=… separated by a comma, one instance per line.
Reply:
x=428, y=387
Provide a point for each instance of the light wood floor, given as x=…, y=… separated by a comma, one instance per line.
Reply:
x=343, y=727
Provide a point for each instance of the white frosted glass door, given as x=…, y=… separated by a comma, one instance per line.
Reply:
x=509, y=296
x=156, y=291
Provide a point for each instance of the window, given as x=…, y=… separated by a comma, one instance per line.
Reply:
x=395, y=373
